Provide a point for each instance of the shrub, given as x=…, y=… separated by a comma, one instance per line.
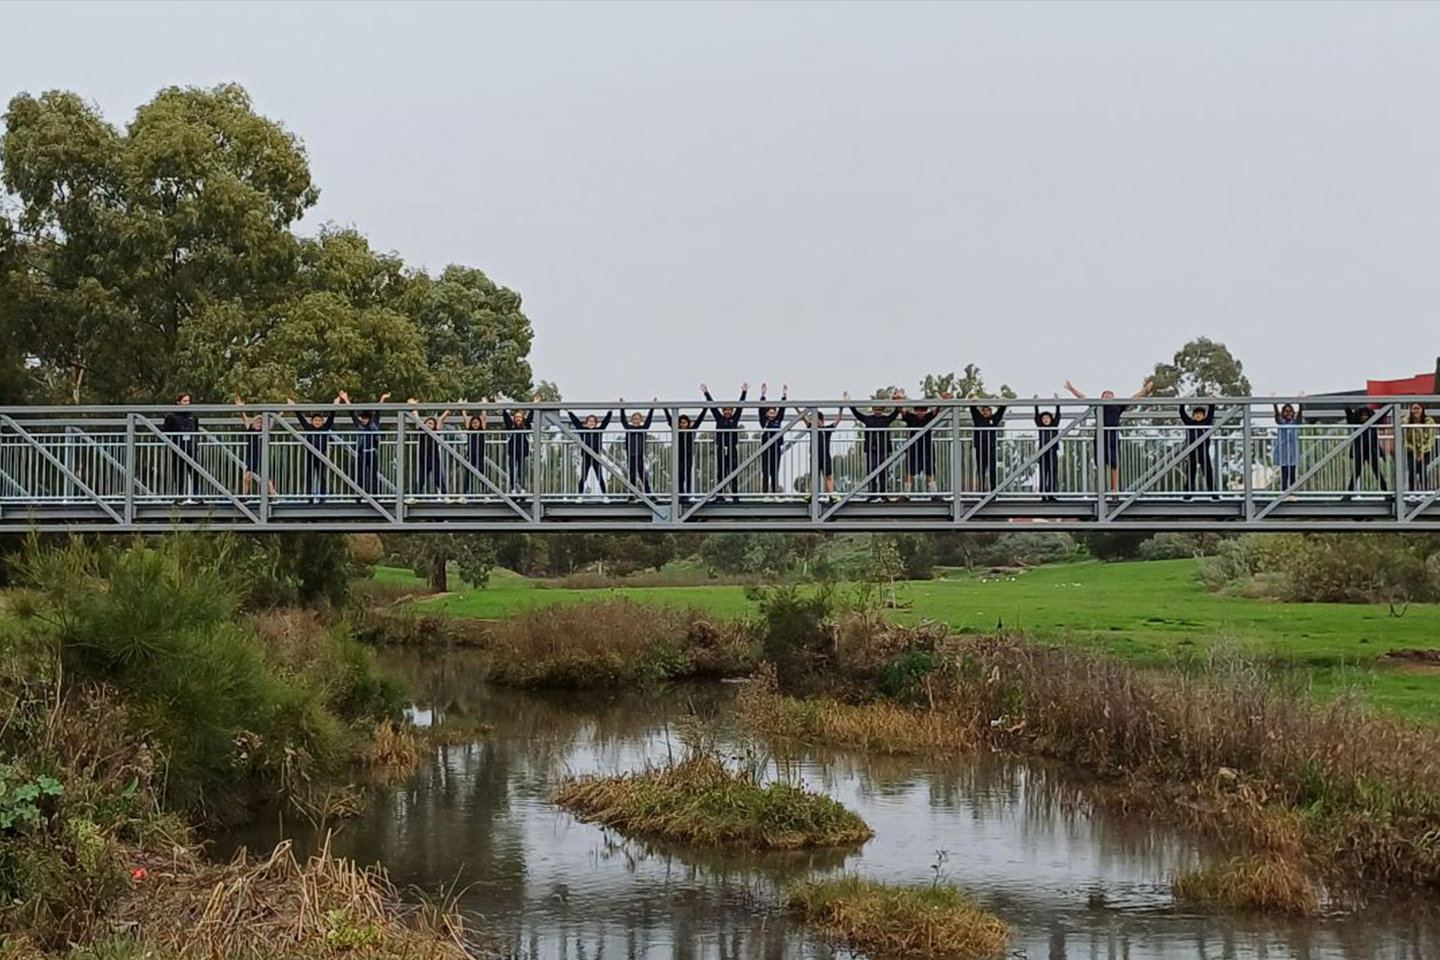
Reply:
x=796, y=632
x=1179, y=546
x=234, y=719
x=1330, y=568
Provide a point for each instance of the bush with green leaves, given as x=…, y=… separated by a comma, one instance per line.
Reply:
x=236, y=720
x=796, y=630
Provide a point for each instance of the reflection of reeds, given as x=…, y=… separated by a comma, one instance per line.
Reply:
x=278, y=906
x=699, y=800
x=904, y=923
x=1253, y=883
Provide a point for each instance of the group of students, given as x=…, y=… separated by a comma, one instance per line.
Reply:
x=515, y=428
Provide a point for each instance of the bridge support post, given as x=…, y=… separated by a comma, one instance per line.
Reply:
x=1102, y=475
x=264, y=478
x=815, y=479
x=672, y=417
x=956, y=511
x=400, y=466
x=1402, y=474
x=1247, y=462
x=130, y=469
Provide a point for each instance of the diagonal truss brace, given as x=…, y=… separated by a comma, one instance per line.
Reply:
x=57, y=464
x=609, y=463
x=1153, y=475
x=195, y=465
x=334, y=468
x=450, y=452
x=1317, y=465
x=1023, y=469
x=893, y=456
x=776, y=437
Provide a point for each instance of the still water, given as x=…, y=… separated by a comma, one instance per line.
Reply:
x=1075, y=882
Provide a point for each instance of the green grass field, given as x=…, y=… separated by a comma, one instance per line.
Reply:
x=1146, y=612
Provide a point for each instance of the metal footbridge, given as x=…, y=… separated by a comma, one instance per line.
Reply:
x=262, y=467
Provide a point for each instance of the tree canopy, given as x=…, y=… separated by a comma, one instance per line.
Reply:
x=163, y=257
x=1204, y=368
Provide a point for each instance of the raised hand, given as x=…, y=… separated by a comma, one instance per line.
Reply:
x=384, y=397
x=745, y=387
x=764, y=389
x=704, y=388
x=845, y=396
x=342, y=396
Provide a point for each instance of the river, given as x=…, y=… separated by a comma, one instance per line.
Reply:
x=1075, y=881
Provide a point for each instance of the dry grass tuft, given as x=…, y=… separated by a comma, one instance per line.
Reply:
x=394, y=749
x=701, y=801
x=1250, y=883
x=277, y=907
x=903, y=923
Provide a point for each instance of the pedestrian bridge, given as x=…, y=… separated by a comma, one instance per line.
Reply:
x=98, y=469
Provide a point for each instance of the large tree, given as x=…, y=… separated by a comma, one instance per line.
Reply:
x=1204, y=368
x=124, y=242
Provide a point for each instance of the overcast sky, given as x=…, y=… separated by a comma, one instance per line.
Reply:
x=840, y=196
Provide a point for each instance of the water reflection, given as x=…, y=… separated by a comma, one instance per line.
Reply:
x=1075, y=882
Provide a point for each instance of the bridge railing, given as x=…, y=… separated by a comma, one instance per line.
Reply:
x=127, y=465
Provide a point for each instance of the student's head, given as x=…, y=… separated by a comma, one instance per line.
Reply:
x=1107, y=394
x=684, y=422
x=1417, y=412
x=771, y=413
x=316, y=420
x=985, y=411
x=1200, y=413
x=898, y=394
x=517, y=417
x=591, y=422
x=1047, y=419
x=365, y=418
x=475, y=423
x=1287, y=412
x=638, y=421
x=183, y=399
x=432, y=423
x=820, y=418
x=727, y=411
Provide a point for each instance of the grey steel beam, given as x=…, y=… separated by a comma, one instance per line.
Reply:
x=1024, y=468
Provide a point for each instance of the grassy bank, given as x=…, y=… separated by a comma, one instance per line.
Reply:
x=900, y=923
x=700, y=801
x=1146, y=613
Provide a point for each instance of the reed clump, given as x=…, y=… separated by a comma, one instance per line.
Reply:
x=1270, y=883
x=615, y=643
x=701, y=801
x=879, y=726
x=900, y=922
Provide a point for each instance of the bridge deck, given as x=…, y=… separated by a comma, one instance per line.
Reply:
x=109, y=469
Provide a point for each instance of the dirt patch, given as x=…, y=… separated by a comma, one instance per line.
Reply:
x=1423, y=661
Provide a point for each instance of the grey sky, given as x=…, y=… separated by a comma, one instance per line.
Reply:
x=840, y=196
